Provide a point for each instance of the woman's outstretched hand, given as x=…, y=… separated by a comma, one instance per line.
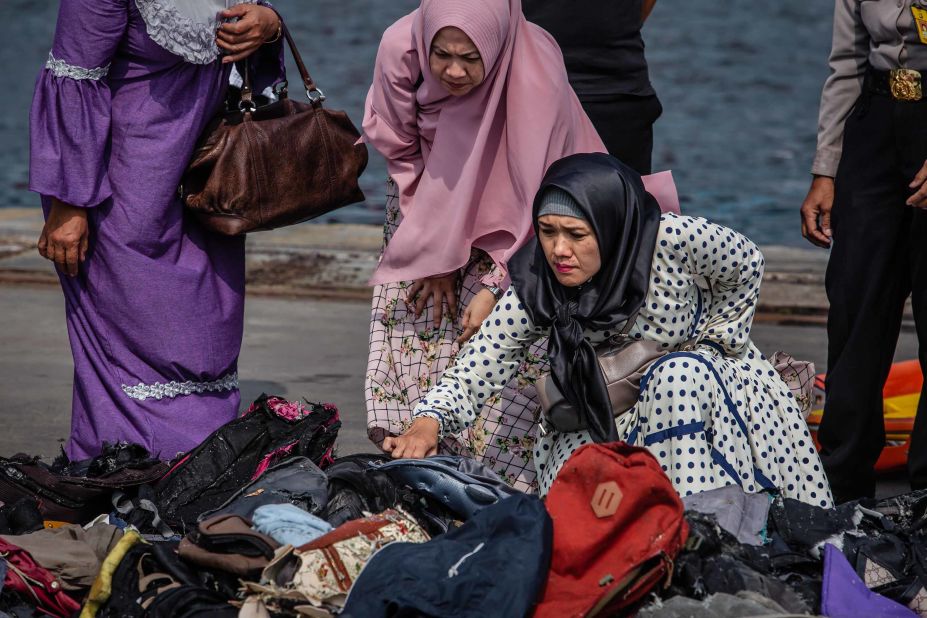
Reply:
x=477, y=311
x=441, y=290
x=420, y=440
x=255, y=26
x=65, y=237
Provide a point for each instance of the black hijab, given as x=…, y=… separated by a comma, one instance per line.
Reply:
x=625, y=219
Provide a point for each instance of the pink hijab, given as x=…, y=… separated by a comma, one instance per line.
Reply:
x=467, y=167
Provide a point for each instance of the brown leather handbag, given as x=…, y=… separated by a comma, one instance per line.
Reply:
x=260, y=168
x=623, y=361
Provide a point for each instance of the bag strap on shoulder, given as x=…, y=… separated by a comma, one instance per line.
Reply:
x=629, y=324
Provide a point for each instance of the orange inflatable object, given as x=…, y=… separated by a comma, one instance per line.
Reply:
x=900, y=395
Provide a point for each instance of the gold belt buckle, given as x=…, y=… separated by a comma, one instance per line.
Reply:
x=905, y=84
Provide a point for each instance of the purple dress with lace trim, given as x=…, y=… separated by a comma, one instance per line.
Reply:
x=155, y=316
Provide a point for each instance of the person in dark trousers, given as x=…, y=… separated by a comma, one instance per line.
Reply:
x=867, y=202
x=604, y=53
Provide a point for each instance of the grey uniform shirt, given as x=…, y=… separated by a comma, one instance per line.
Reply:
x=877, y=33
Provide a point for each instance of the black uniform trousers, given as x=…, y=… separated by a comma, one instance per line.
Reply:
x=878, y=258
x=625, y=124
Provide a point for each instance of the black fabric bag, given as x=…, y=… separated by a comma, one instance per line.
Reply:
x=190, y=602
x=143, y=582
x=295, y=481
x=22, y=517
x=356, y=486
x=79, y=491
x=241, y=451
x=713, y=561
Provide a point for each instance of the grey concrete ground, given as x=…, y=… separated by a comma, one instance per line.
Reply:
x=315, y=349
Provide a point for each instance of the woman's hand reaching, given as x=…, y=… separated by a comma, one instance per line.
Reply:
x=477, y=311
x=255, y=26
x=441, y=290
x=420, y=440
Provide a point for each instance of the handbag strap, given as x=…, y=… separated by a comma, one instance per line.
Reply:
x=313, y=92
x=629, y=324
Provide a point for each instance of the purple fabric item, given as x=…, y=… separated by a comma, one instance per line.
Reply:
x=844, y=595
x=159, y=300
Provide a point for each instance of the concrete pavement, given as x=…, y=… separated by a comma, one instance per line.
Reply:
x=294, y=347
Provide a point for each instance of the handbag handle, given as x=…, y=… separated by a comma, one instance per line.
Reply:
x=313, y=92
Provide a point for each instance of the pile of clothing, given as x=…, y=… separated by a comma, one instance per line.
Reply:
x=764, y=555
x=263, y=520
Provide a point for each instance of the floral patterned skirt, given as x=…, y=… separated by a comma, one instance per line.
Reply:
x=408, y=356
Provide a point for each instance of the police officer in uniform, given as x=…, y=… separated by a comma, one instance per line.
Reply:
x=604, y=55
x=868, y=202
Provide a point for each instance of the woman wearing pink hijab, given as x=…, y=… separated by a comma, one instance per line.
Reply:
x=470, y=104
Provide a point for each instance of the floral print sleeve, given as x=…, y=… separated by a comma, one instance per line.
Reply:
x=484, y=366
x=495, y=277
x=733, y=266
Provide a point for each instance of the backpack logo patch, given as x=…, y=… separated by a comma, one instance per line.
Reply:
x=606, y=499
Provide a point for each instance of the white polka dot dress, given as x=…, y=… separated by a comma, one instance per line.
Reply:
x=713, y=416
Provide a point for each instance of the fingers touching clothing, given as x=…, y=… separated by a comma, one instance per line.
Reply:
x=254, y=26
x=439, y=290
x=420, y=440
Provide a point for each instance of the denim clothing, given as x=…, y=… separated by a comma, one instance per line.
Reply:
x=289, y=525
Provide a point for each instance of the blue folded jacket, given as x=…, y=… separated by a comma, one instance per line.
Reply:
x=289, y=525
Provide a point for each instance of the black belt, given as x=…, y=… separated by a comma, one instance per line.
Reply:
x=900, y=84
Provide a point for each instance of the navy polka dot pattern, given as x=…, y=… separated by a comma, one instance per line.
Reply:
x=715, y=415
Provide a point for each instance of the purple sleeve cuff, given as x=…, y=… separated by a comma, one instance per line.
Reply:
x=69, y=121
x=69, y=139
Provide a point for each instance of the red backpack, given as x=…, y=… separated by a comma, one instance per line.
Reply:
x=34, y=584
x=618, y=525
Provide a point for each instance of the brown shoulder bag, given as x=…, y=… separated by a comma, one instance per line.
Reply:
x=623, y=361
x=260, y=168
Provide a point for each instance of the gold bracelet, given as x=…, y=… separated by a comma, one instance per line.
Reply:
x=279, y=32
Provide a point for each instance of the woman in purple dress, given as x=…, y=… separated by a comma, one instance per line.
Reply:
x=154, y=303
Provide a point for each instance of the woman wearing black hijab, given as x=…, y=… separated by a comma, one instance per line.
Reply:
x=714, y=415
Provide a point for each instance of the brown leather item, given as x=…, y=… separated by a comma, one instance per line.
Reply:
x=228, y=543
x=623, y=362
x=280, y=164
